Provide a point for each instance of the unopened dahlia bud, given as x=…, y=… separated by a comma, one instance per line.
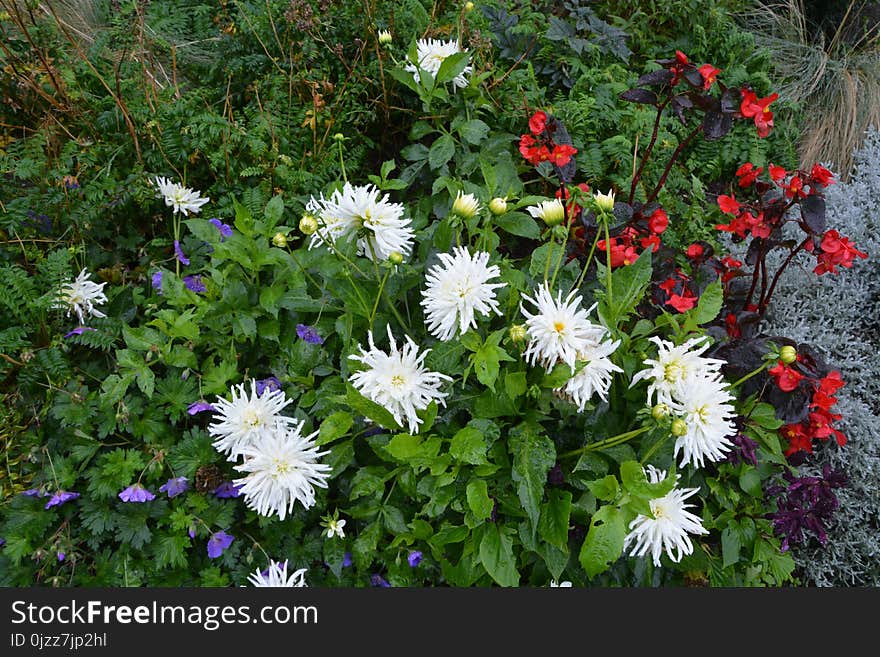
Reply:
x=465, y=206
x=468, y=6
x=604, y=202
x=308, y=224
x=280, y=239
x=395, y=258
x=788, y=354
x=679, y=427
x=339, y=136
x=385, y=37
x=498, y=206
x=660, y=411
x=517, y=332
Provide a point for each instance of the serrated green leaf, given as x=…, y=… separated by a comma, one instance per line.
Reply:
x=334, y=427
x=370, y=409
x=496, y=555
x=468, y=446
x=606, y=489
x=441, y=151
x=478, y=499
x=628, y=286
x=518, y=223
x=632, y=476
x=603, y=544
x=473, y=131
x=555, y=515
x=533, y=456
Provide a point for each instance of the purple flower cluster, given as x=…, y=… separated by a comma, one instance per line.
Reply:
x=744, y=450
x=272, y=384
x=136, y=493
x=805, y=504
x=309, y=334
x=60, y=498
x=225, y=229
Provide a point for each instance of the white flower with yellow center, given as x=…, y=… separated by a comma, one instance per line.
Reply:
x=559, y=330
x=335, y=528
x=81, y=296
x=674, y=365
x=430, y=54
x=237, y=423
x=457, y=289
x=398, y=380
x=669, y=526
x=551, y=212
x=276, y=576
x=380, y=224
x=182, y=199
x=593, y=378
x=705, y=406
x=280, y=469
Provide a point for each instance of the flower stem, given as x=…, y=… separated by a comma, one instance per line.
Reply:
x=608, y=442
x=378, y=296
x=550, y=244
x=580, y=280
x=607, y=261
x=750, y=375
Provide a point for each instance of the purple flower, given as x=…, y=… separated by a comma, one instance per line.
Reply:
x=378, y=580
x=272, y=383
x=309, y=334
x=806, y=504
x=414, y=558
x=218, y=543
x=136, y=493
x=61, y=556
x=199, y=406
x=191, y=531
x=194, y=283
x=2, y=542
x=744, y=450
x=225, y=229
x=346, y=560
x=556, y=477
x=174, y=486
x=178, y=251
x=79, y=330
x=60, y=498
x=226, y=490
x=156, y=282
x=34, y=492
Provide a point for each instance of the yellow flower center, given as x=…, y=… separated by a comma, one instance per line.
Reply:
x=251, y=418
x=673, y=371
x=559, y=327
x=397, y=380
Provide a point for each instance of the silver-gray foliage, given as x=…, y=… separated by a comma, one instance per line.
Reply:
x=839, y=315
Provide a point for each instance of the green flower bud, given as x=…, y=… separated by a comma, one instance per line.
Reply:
x=339, y=136
x=280, y=239
x=465, y=206
x=660, y=411
x=385, y=37
x=788, y=354
x=517, y=332
x=468, y=6
x=604, y=202
x=308, y=224
x=679, y=427
x=498, y=206
x=395, y=258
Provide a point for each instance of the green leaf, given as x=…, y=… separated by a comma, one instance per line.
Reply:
x=370, y=409
x=441, y=151
x=603, y=544
x=606, y=488
x=533, y=456
x=557, y=377
x=452, y=66
x=515, y=384
x=478, y=499
x=496, y=555
x=555, y=515
x=750, y=482
x=628, y=285
x=473, y=131
x=632, y=475
x=364, y=548
x=405, y=447
x=730, y=546
x=468, y=446
x=334, y=427
x=764, y=415
x=709, y=304
x=518, y=223
x=170, y=551
x=274, y=211
x=487, y=363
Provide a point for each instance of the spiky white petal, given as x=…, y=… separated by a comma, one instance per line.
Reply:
x=182, y=199
x=281, y=469
x=669, y=527
x=465, y=205
x=81, y=296
x=381, y=225
x=237, y=423
x=276, y=576
x=430, y=54
x=559, y=330
x=456, y=290
x=704, y=403
x=398, y=380
x=595, y=377
x=674, y=365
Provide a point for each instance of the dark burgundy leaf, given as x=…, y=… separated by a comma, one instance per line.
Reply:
x=730, y=101
x=684, y=101
x=694, y=77
x=716, y=125
x=679, y=112
x=644, y=96
x=705, y=102
x=755, y=247
x=655, y=78
x=813, y=213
